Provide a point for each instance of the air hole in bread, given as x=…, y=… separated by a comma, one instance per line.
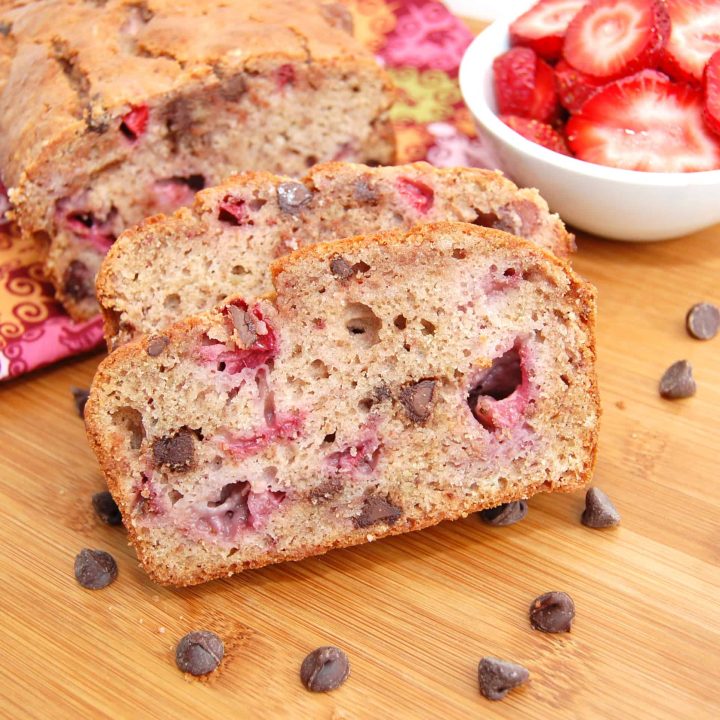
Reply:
x=129, y=420
x=428, y=328
x=362, y=324
x=172, y=301
x=239, y=270
x=319, y=370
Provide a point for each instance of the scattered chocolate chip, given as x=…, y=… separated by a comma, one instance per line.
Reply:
x=177, y=451
x=245, y=326
x=381, y=392
x=365, y=193
x=324, y=669
x=341, y=268
x=417, y=399
x=233, y=88
x=156, y=345
x=339, y=16
x=5, y=28
x=505, y=514
x=78, y=281
x=552, y=612
x=703, y=321
x=326, y=490
x=199, y=652
x=179, y=121
x=95, y=569
x=106, y=508
x=599, y=511
x=497, y=677
x=375, y=510
x=293, y=197
x=80, y=396
x=677, y=381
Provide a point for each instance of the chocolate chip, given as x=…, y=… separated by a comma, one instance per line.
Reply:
x=5, y=28
x=106, y=508
x=78, y=281
x=177, y=451
x=552, y=612
x=417, y=399
x=497, y=677
x=233, y=88
x=341, y=268
x=339, y=16
x=95, y=569
x=199, y=652
x=677, y=381
x=324, y=669
x=156, y=345
x=599, y=511
x=703, y=321
x=377, y=509
x=293, y=197
x=245, y=326
x=80, y=396
x=365, y=193
x=505, y=514
x=502, y=378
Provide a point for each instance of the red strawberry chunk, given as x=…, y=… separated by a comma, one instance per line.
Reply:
x=694, y=37
x=134, y=123
x=233, y=210
x=525, y=85
x=543, y=26
x=285, y=75
x=537, y=132
x=419, y=195
x=712, y=93
x=574, y=87
x=645, y=122
x=609, y=39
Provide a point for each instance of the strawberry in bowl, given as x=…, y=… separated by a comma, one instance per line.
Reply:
x=631, y=119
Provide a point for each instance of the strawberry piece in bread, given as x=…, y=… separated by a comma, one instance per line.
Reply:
x=694, y=37
x=645, y=122
x=543, y=26
x=610, y=39
x=525, y=85
x=537, y=132
x=712, y=93
x=574, y=87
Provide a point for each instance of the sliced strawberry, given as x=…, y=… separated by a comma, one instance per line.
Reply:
x=694, y=37
x=712, y=93
x=574, y=87
x=612, y=38
x=537, y=132
x=543, y=26
x=525, y=85
x=419, y=195
x=645, y=122
x=134, y=123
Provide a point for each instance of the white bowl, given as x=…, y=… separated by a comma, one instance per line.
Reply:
x=614, y=203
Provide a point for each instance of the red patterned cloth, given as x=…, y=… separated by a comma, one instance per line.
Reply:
x=421, y=45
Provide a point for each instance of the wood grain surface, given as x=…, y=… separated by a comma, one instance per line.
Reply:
x=414, y=613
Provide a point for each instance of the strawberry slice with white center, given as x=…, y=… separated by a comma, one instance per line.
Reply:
x=538, y=132
x=694, y=37
x=543, y=26
x=712, y=93
x=645, y=122
x=612, y=38
x=525, y=85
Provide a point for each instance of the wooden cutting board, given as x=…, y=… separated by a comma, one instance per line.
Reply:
x=414, y=613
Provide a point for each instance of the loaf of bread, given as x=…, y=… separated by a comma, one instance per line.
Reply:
x=114, y=110
x=172, y=267
x=393, y=381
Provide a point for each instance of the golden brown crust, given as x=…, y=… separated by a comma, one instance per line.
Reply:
x=584, y=300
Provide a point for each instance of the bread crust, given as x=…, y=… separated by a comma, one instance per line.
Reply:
x=581, y=291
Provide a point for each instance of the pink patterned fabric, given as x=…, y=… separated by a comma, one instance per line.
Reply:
x=421, y=45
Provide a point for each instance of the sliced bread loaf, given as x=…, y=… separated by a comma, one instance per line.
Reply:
x=171, y=267
x=392, y=382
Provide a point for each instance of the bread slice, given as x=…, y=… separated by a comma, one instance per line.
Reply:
x=392, y=382
x=172, y=267
x=113, y=110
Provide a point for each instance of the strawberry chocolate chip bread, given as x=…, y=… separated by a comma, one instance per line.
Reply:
x=171, y=267
x=111, y=111
x=391, y=382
